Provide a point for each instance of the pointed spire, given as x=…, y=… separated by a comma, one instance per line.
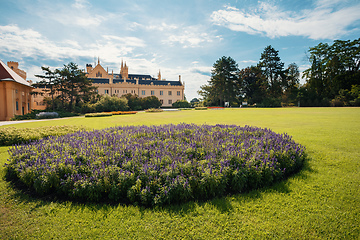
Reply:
x=159, y=75
x=98, y=60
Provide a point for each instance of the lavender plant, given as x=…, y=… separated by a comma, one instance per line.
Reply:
x=155, y=165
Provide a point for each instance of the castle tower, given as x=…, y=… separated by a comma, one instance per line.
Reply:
x=124, y=70
x=89, y=68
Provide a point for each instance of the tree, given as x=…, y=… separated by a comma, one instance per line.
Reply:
x=194, y=102
x=292, y=77
x=333, y=67
x=68, y=87
x=48, y=83
x=76, y=87
x=223, y=85
x=253, y=85
x=272, y=67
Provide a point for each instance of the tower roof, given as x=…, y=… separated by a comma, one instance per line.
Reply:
x=7, y=74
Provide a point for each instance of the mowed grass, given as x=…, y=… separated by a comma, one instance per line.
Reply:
x=320, y=202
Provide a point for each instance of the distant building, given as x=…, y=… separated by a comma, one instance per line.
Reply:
x=15, y=97
x=123, y=83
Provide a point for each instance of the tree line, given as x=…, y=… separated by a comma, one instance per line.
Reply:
x=69, y=90
x=332, y=80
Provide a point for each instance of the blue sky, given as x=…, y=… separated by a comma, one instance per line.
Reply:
x=179, y=37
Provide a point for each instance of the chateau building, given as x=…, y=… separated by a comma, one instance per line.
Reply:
x=122, y=83
x=15, y=97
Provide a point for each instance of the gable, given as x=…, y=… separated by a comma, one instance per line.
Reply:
x=98, y=72
x=7, y=74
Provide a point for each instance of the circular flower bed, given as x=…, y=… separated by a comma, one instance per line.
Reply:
x=155, y=165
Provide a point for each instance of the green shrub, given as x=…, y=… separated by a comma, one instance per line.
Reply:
x=150, y=102
x=98, y=114
x=12, y=135
x=200, y=108
x=30, y=115
x=108, y=104
x=181, y=104
x=154, y=110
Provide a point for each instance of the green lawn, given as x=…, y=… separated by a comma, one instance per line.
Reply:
x=320, y=202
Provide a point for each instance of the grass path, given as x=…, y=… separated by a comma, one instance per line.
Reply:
x=321, y=202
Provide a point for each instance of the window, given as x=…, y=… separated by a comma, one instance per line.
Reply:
x=170, y=101
x=106, y=91
x=142, y=92
x=178, y=93
x=162, y=101
x=161, y=93
x=170, y=93
x=99, y=74
x=17, y=106
x=28, y=106
x=152, y=92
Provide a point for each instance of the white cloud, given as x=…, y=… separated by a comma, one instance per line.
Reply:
x=189, y=37
x=80, y=13
x=323, y=22
x=30, y=43
x=81, y=4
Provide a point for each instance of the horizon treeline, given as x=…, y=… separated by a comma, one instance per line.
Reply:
x=332, y=80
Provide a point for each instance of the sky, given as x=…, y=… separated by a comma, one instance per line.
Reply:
x=178, y=37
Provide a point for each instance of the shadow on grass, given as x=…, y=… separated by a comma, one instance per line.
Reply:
x=224, y=204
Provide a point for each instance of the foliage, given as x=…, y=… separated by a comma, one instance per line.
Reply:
x=267, y=84
x=154, y=110
x=333, y=68
x=108, y=104
x=28, y=116
x=254, y=84
x=103, y=114
x=150, y=102
x=134, y=102
x=223, y=85
x=272, y=67
x=201, y=108
x=155, y=165
x=195, y=102
x=12, y=135
x=68, y=87
x=181, y=104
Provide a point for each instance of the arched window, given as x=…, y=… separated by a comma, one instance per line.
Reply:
x=98, y=74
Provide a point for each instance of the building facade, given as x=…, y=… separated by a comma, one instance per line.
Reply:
x=123, y=83
x=15, y=91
